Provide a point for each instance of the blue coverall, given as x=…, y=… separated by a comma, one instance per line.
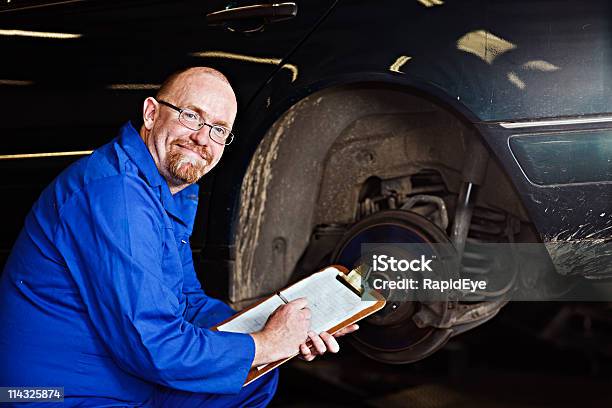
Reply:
x=99, y=294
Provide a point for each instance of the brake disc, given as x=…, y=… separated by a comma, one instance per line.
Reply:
x=392, y=335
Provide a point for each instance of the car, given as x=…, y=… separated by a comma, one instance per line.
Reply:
x=431, y=121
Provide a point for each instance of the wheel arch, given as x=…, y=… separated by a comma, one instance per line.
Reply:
x=282, y=185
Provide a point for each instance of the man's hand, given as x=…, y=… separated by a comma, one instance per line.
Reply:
x=324, y=342
x=283, y=333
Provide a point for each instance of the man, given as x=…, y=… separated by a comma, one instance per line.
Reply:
x=99, y=294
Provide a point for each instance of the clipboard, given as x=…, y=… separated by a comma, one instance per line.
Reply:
x=349, y=280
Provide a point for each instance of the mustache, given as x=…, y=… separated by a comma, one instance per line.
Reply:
x=201, y=150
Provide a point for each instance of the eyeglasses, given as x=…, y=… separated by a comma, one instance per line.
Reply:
x=192, y=120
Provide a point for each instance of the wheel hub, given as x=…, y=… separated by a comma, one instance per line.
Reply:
x=391, y=335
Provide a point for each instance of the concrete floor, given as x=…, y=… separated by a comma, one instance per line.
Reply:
x=500, y=365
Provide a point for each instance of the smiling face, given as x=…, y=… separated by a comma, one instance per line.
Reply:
x=183, y=155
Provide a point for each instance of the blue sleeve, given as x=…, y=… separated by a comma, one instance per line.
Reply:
x=202, y=310
x=111, y=237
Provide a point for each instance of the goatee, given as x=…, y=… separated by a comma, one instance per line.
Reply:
x=187, y=169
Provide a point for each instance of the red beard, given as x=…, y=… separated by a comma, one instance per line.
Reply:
x=185, y=168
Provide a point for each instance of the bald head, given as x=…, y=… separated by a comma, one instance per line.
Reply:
x=184, y=75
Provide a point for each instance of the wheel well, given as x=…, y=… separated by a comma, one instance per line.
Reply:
x=312, y=164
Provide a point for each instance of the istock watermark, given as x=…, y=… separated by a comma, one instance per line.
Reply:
x=426, y=280
x=435, y=272
x=382, y=263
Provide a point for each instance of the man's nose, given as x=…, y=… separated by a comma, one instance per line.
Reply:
x=202, y=136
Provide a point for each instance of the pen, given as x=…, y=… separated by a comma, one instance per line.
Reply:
x=284, y=299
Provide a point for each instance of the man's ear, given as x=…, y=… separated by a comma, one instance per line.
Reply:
x=150, y=108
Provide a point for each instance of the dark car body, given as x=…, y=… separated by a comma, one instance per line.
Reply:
x=533, y=79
